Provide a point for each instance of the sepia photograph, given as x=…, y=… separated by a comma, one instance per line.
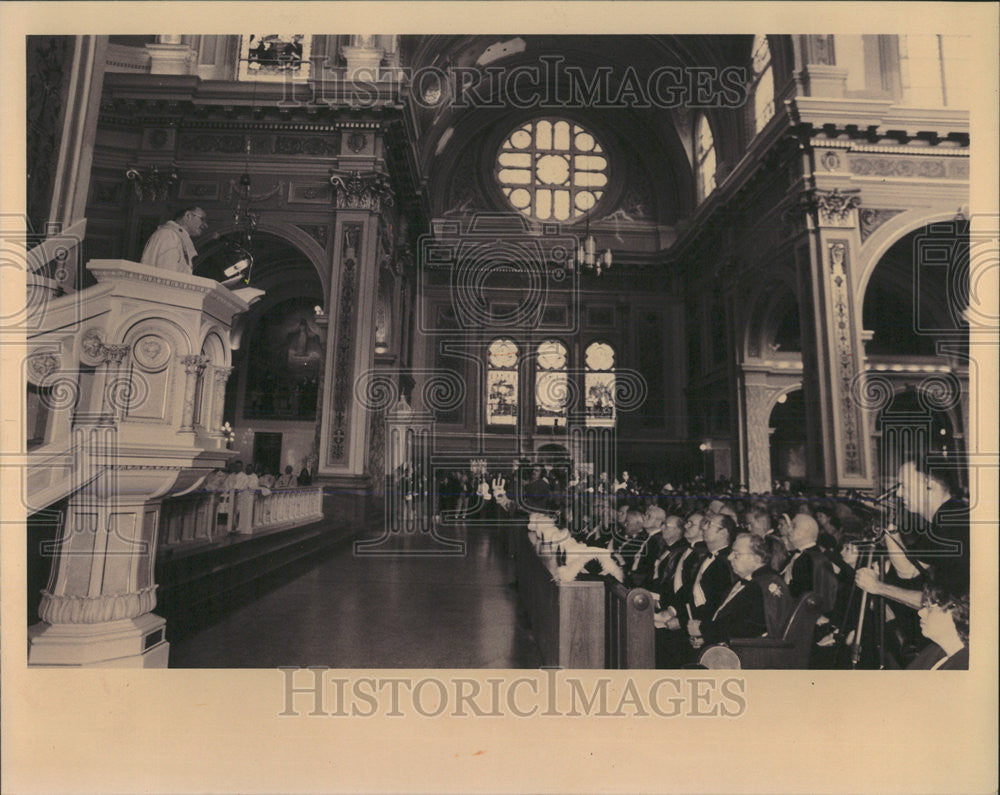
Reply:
x=499, y=383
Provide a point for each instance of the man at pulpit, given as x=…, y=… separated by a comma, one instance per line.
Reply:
x=170, y=246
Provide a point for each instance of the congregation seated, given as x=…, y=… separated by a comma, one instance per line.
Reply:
x=675, y=543
x=758, y=602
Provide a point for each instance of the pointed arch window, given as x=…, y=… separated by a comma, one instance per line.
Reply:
x=599, y=384
x=762, y=83
x=551, y=384
x=704, y=157
x=502, y=357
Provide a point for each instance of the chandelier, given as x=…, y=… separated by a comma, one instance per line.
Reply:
x=588, y=258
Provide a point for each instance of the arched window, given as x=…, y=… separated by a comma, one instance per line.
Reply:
x=552, y=168
x=704, y=157
x=501, y=382
x=762, y=83
x=599, y=384
x=551, y=384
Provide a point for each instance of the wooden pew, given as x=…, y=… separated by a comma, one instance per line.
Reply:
x=629, y=635
x=567, y=617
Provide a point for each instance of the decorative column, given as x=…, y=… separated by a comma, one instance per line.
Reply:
x=97, y=608
x=833, y=351
x=112, y=405
x=759, y=400
x=351, y=308
x=363, y=57
x=170, y=56
x=821, y=75
x=220, y=377
x=194, y=365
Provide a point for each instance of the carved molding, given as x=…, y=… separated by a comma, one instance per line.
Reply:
x=870, y=219
x=909, y=167
x=846, y=364
x=115, y=354
x=344, y=351
x=152, y=352
x=835, y=207
x=357, y=191
x=42, y=365
x=96, y=609
x=92, y=348
x=151, y=184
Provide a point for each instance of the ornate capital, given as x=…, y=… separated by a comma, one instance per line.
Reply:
x=194, y=363
x=151, y=184
x=95, y=609
x=834, y=207
x=357, y=191
x=115, y=354
x=222, y=375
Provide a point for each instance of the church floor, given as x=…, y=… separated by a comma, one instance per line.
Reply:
x=399, y=610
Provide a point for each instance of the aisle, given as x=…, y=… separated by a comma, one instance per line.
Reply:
x=393, y=611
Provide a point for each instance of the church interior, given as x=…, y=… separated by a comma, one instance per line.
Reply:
x=480, y=331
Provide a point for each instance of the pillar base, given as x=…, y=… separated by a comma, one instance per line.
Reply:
x=128, y=643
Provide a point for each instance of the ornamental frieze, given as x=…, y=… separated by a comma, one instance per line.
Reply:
x=909, y=167
x=236, y=143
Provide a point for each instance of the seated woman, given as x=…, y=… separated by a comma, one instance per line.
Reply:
x=944, y=620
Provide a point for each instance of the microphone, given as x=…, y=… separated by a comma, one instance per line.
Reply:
x=890, y=492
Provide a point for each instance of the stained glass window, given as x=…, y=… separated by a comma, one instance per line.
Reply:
x=501, y=382
x=599, y=384
x=552, y=169
x=551, y=384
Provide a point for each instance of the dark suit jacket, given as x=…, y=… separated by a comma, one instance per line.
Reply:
x=812, y=571
x=763, y=605
x=924, y=661
x=664, y=584
x=689, y=568
x=641, y=575
x=715, y=582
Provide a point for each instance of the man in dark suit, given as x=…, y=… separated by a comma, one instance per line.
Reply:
x=675, y=591
x=627, y=547
x=713, y=578
x=640, y=575
x=758, y=603
x=809, y=569
x=665, y=566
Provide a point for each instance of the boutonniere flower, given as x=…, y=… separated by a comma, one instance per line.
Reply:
x=774, y=589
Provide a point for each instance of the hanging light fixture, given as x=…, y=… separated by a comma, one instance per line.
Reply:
x=587, y=257
x=244, y=216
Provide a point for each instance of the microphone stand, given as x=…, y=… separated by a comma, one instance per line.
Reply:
x=877, y=512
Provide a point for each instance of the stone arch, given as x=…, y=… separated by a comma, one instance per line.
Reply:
x=916, y=292
x=214, y=346
x=767, y=307
x=886, y=236
x=310, y=249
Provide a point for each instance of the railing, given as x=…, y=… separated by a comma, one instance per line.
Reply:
x=205, y=516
